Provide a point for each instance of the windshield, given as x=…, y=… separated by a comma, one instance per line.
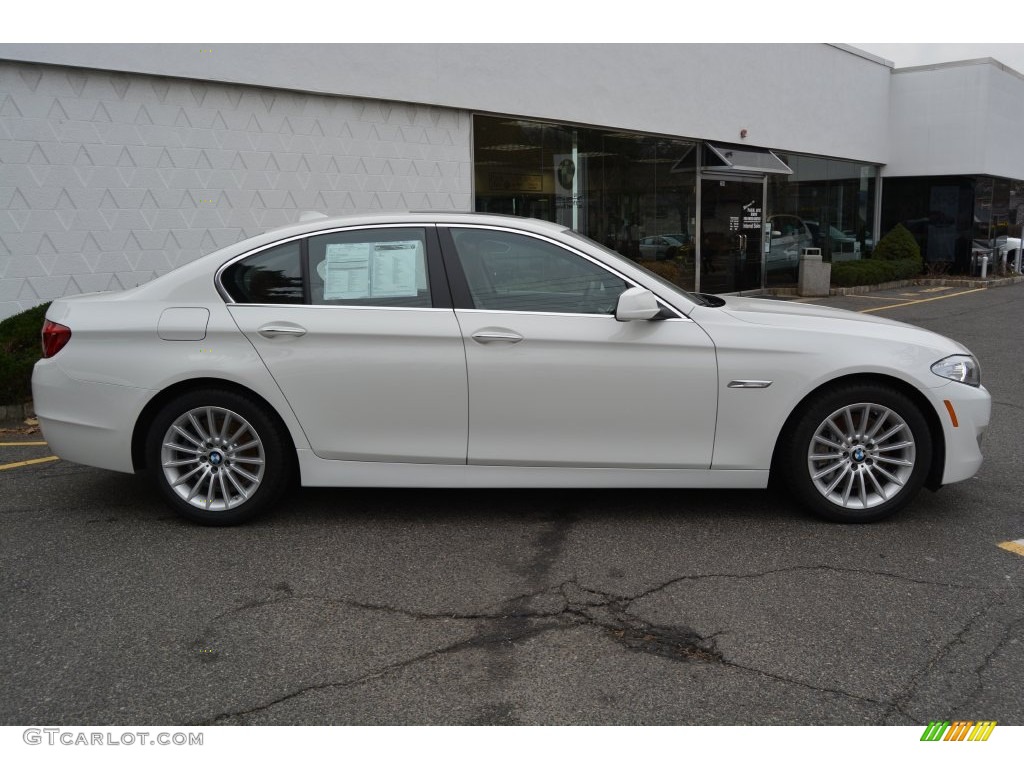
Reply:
x=693, y=297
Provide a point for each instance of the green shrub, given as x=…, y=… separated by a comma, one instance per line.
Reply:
x=897, y=244
x=874, y=271
x=20, y=347
x=908, y=268
x=666, y=269
x=864, y=272
x=896, y=257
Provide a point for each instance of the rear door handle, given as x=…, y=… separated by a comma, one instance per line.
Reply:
x=270, y=330
x=488, y=337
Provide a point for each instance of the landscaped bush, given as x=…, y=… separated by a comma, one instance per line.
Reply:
x=908, y=268
x=20, y=347
x=863, y=272
x=896, y=257
x=874, y=271
x=666, y=269
x=897, y=244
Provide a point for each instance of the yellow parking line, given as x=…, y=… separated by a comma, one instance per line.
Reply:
x=1013, y=546
x=921, y=301
x=17, y=464
x=26, y=442
x=867, y=296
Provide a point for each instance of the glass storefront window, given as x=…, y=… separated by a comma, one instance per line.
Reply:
x=637, y=194
x=834, y=199
x=956, y=219
x=633, y=193
x=1015, y=206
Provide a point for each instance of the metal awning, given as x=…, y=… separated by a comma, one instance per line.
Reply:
x=731, y=157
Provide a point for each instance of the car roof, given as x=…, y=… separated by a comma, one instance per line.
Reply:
x=199, y=266
x=410, y=217
x=323, y=223
x=193, y=278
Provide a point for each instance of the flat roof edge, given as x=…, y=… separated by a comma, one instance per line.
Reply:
x=846, y=47
x=988, y=60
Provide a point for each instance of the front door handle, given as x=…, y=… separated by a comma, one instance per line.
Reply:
x=271, y=330
x=488, y=337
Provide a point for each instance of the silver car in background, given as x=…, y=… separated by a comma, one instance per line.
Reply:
x=789, y=236
x=658, y=247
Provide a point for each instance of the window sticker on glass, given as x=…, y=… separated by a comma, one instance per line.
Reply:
x=346, y=272
x=362, y=270
x=393, y=268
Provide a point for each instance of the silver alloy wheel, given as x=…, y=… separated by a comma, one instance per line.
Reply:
x=861, y=456
x=212, y=458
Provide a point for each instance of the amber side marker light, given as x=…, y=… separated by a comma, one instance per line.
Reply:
x=952, y=413
x=55, y=336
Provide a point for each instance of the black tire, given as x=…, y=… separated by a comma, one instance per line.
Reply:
x=218, y=457
x=857, y=453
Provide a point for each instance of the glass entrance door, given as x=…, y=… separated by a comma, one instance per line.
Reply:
x=731, y=234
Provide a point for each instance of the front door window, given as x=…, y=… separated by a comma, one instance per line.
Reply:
x=515, y=273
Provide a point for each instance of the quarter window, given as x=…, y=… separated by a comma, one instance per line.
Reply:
x=370, y=267
x=512, y=272
x=273, y=276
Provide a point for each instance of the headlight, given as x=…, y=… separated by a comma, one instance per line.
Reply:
x=962, y=368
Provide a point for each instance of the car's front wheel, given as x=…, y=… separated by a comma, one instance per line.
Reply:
x=858, y=453
x=217, y=456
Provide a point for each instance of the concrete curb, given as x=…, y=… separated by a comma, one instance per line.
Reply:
x=16, y=413
x=946, y=282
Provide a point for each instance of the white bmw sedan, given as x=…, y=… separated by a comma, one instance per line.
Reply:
x=462, y=350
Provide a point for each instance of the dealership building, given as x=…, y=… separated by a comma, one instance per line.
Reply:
x=725, y=162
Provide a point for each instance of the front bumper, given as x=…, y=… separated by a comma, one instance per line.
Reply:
x=972, y=408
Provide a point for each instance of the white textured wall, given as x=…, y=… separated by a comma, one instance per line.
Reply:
x=961, y=118
x=109, y=179
x=814, y=98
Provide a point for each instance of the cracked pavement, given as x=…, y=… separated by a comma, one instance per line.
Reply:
x=524, y=607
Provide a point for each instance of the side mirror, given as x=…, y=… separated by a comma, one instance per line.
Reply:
x=637, y=304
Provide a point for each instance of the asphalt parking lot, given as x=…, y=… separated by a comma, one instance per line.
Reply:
x=525, y=607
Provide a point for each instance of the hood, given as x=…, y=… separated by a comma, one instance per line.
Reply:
x=810, y=318
x=774, y=312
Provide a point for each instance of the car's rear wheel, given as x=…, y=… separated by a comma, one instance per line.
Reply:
x=217, y=456
x=858, y=453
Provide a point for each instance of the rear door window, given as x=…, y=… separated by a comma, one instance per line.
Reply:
x=370, y=267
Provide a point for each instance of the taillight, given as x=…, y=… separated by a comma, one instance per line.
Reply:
x=55, y=336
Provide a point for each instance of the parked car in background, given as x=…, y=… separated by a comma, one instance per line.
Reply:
x=834, y=241
x=455, y=350
x=789, y=237
x=1013, y=253
x=658, y=247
